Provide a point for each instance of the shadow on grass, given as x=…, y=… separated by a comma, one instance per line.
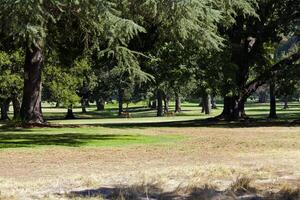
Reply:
x=110, y=113
x=9, y=140
x=205, y=123
x=154, y=192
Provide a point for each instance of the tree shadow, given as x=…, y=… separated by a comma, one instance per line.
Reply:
x=29, y=139
x=206, y=192
x=211, y=123
x=134, y=192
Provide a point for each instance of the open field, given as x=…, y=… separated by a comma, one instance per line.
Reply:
x=176, y=157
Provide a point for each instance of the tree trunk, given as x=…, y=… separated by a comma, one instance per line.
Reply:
x=272, y=114
x=100, y=105
x=166, y=103
x=4, y=110
x=206, y=107
x=17, y=107
x=57, y=105
x=160, y=110
x=234, y=109
x=83, y=105
x=202, y=105
x=177, y=103
x=286, y=102
x=70, y=114
x=31, y=109
x=121, y=94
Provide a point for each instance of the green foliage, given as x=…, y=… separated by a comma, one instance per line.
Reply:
x=61, y=84
x=11, y=80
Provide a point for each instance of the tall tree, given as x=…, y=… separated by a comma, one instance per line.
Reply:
x=247, y=40
x=39, y=26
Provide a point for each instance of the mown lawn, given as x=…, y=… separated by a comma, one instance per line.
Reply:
x=79, y=137
x=106, y=129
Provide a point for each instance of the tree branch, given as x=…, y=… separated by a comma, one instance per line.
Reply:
x=279, y=67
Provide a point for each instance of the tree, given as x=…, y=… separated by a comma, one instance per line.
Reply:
x=62, y=85
x=246, y=41
x=39, y=26
x=11, y=82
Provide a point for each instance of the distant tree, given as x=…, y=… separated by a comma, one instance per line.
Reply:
x=11, y=82
x=62, y=85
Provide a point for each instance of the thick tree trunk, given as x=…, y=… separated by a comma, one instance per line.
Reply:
x=160, y=110
x=177, y=103
x=70, y=114
x=31, y=109
x=17, y=108
x=234, y=109
x=286, y=102
x=206, y=107
x=272, y=114
x=121, y=94
x=100, y=105
x=4, y=110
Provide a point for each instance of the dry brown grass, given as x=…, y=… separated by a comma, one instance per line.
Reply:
x=240, y=189
x=242, y=185
x=207, y=162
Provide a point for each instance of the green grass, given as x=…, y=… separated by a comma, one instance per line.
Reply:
x=108, y=130
x=78, y=137
x=140, y=114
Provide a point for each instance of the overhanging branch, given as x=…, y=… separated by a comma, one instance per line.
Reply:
x=280, y=67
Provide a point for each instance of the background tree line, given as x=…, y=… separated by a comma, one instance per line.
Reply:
x=70, y=51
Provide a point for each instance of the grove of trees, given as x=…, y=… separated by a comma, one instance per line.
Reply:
x=81, y=51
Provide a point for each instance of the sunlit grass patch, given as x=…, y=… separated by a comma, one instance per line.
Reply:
x=79, y=137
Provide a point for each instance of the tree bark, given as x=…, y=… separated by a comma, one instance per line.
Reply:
x=121, y=94
x=17, y=107
x=31, y=109
x=4, y=110
x=177, y=103
x=100, y=105
x=166, y=103
x=70, y=114
x=83, y=105
x=206, y=100
x=57, y=105
x=273, y=114
x=160, y=110
x=234, y=109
